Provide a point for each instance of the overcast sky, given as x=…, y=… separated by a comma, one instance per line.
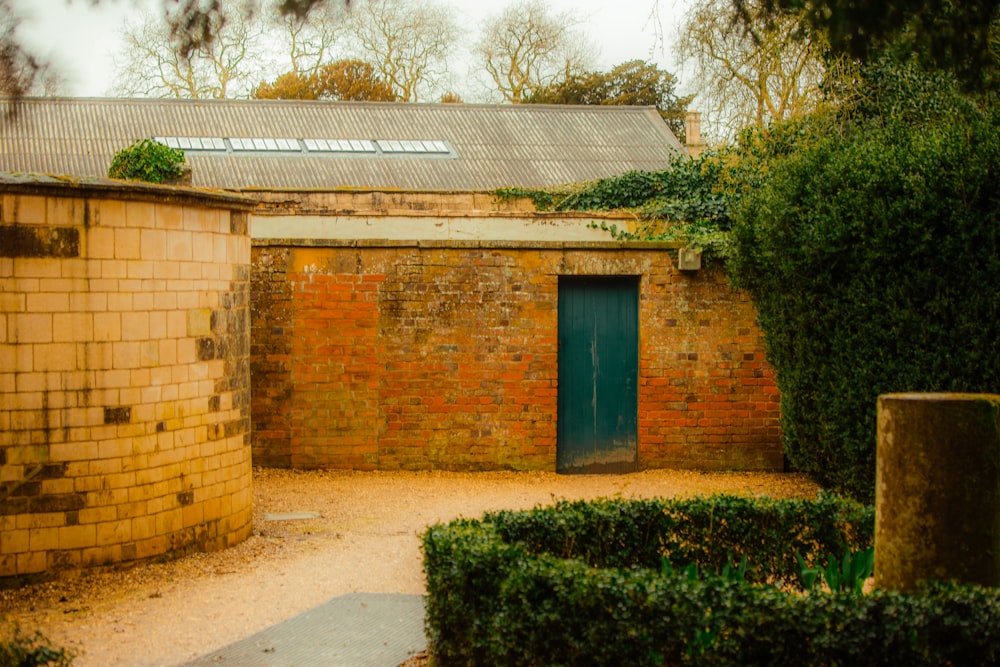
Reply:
x=81, y=39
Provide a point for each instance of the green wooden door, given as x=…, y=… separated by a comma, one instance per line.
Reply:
x=598, y=375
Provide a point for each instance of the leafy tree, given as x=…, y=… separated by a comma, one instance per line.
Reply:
x=407, y=41
x=344, y=80
x=288, y=86
x=869, y=239
x=633, y=83
x=526, y=48
x=960, y=37
x=750, y=75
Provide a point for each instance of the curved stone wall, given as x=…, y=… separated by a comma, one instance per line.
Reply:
x=124, y=377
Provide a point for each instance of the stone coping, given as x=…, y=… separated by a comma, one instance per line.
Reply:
x=108, y=188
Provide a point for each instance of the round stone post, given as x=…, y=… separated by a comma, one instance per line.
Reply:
x=937, y=493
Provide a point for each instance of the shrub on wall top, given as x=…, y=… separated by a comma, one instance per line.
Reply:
x=147, y=160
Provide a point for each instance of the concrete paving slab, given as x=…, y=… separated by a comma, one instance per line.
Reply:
x=354, y=630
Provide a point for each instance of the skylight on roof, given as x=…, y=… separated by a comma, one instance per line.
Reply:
x=332, y=147
x=194, y=143
x=392, y=146
x=339, y=145
x=265, y=144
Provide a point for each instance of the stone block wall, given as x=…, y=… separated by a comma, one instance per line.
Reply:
x=124, y=377
x=352, y=201
x=444, y=354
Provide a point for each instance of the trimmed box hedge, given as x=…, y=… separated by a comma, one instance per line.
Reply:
x=583, y=583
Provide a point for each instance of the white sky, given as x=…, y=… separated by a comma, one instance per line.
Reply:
x=81, y=39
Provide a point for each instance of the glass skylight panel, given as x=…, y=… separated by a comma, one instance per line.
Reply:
x=412, y=146
x=287, y=145
x=339, y=145
x=193, y=143
x=266, y=144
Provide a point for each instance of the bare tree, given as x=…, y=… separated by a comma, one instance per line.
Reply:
x=408, y=42
x=309, y=42
x=153, y=64
x=526, y=48
x=750, y=75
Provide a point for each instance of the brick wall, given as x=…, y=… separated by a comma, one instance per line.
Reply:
x=124, y=379
x=271, y=355
x=381, y=355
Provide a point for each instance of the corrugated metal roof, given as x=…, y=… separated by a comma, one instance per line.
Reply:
x=494, y=146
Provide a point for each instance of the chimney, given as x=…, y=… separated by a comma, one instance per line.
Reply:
x=692, y=134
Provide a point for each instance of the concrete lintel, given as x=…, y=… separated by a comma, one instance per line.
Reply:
x=600, y=246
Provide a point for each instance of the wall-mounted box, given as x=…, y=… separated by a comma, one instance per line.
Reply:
x=688, y=259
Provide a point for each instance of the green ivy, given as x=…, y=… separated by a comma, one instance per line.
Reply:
x=20, y=650
x=147, y=160
x=542, y=199
x=684, y=203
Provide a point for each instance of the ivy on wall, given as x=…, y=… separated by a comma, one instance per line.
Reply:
x=684, y=203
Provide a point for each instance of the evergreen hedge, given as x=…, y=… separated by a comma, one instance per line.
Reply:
x=583, y=584
x=869, y=240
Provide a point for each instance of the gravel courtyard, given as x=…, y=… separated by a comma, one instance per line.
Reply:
x=366, y=539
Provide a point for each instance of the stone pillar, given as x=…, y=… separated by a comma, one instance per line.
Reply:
x=937, y=499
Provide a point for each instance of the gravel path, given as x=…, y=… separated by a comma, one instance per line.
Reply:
x=366, y=539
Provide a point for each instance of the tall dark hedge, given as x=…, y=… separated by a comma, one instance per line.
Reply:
x=869, y=240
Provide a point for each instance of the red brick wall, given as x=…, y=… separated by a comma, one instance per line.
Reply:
x=444, y=355
x=334, y=416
